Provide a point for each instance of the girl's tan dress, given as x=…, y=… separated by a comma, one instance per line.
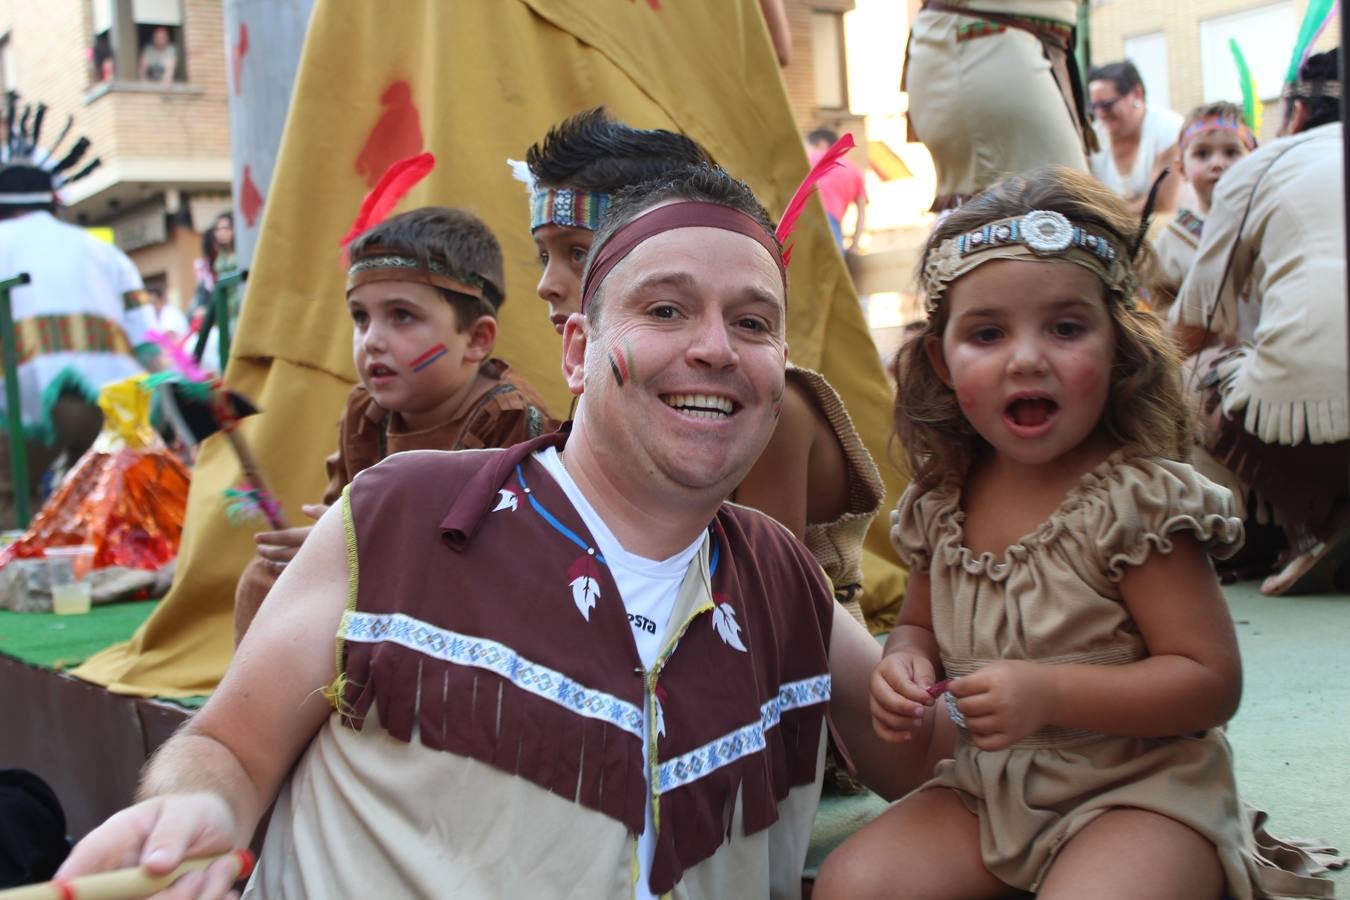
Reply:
x=1054, y=597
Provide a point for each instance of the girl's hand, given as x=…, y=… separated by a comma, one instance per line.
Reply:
x=899, y=694
x=1004, y=702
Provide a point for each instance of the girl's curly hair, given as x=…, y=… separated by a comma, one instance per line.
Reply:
x=1145, y=410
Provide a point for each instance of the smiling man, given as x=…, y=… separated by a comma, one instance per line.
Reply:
x=566, y=669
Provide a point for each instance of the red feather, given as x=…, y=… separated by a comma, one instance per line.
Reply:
x=392, y=187
x=804, y=190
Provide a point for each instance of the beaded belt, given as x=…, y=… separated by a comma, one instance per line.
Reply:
x=1050, y=735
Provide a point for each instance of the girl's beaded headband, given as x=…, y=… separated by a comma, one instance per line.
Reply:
x=1219, y=123
x=1039, y=234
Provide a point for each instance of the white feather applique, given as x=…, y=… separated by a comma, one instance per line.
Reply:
x=506, y=499
x=728, y=629
x=585, y=587
x=521, y=172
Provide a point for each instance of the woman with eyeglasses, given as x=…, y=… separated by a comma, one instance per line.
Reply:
x=1138, y=141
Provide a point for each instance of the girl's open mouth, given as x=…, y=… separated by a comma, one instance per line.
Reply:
x=1030, y=412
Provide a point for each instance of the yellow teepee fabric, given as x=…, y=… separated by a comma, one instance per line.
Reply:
x=476, y=83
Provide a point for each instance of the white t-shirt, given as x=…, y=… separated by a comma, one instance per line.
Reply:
x=648, y=589
x=1160, y=129
x=72, y=273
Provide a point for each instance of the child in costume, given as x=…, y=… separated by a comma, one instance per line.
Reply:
x=1061, y=602
x=423, y=290
x=1213, y=137
x=816, y=478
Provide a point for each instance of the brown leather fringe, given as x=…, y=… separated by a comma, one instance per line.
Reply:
x=584, y=760
x=702, y=819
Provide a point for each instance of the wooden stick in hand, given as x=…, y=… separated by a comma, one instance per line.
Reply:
x=123, y=884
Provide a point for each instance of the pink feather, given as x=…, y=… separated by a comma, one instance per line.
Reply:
x=181, y=359
x=804, y=190
x=392, y=187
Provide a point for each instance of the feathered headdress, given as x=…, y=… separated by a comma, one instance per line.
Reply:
x=393, y=186
x=1251, y=96
x=830, y=160
x=30, y=173
x=1315, y=21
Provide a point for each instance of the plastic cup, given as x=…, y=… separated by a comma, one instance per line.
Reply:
x=72, y=594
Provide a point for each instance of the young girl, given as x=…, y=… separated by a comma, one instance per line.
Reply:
x=1213, y=137
x=1060, y=590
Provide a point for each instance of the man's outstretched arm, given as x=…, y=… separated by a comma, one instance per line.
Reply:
x=205, y=790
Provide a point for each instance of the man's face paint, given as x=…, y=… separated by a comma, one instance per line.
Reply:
x=621, y=364
x=429, y=357
x=778, y=401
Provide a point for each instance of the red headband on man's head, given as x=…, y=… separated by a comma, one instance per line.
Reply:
x=682, y=214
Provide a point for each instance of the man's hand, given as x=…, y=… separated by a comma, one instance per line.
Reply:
x=1004, y=702
x=899, y=688
x=158, y=834
x=280, y=547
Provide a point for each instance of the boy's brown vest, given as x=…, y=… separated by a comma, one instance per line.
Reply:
x=485, y=623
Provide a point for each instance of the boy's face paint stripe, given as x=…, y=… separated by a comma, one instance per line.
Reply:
x=429, y=357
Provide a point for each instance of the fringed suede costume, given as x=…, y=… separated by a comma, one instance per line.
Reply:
x=490, y=733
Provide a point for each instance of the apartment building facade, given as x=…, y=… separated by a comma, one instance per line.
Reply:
x=161, y=130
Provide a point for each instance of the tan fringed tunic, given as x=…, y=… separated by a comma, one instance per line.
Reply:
x=1276, y=230
x=1054, y=597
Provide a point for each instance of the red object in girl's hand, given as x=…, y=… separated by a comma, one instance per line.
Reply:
x=938, y=689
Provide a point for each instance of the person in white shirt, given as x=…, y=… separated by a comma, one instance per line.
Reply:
x=159, y=58
x=69, y=320
x=1138, y=141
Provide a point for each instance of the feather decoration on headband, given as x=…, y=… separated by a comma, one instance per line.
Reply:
x=1147, y=215
x=70, y=159
x=33, y=135
x=806, y=188
x=392, y=187
x=1314, y=23
x=1251, y=97
x=520, y=171
x=60, y=139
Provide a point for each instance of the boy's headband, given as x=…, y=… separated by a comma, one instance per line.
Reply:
x=1039, y=234
x=1219, y=123
x=567, y=207
x=683, y=214
x=387, y=264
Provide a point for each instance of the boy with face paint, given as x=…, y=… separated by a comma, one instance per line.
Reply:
x=815, y=477
x=1213, y=137
x=423, y=290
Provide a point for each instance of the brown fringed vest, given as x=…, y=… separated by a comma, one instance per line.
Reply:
x=485, y=625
